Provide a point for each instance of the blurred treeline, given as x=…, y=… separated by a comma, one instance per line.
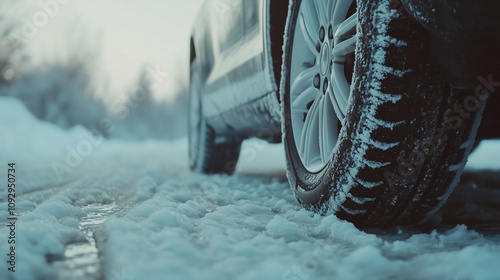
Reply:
x=66, y=94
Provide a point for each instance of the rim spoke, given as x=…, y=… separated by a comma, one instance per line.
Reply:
x=311, y=16
x=309, y=25
x=308, y=36
x=346, y=29
x=303, y=139
x=329, y=127
x=300, y=103
x=340, y=12
x=311, y=134
x=303, y=81
x=321, y=11
x=345, y=47
x=330, y=8
x=334, y=101
x=322, y=131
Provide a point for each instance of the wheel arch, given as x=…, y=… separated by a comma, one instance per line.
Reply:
x=192, y=50
x=278, y=12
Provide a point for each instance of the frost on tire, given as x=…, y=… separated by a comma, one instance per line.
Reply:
x=397, y=156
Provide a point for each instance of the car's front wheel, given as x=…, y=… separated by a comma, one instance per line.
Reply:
x=370, y=129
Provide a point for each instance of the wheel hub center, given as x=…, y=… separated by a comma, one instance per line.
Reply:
x=324, y=58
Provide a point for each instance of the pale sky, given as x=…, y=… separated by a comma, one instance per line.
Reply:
x=124, y=34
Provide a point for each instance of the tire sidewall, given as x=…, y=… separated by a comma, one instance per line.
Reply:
x=194, y=155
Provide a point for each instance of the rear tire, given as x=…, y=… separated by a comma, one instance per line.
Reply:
x=205, y=155
x=403, y=142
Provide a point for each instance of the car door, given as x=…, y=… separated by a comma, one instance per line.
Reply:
x=237, y=76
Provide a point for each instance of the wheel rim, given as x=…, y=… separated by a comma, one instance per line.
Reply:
x=320, y=71
x=194, y=118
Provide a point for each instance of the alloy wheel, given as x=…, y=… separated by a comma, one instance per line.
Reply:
x=322, y=63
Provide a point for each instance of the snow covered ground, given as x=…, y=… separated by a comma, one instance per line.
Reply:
x=89, y=208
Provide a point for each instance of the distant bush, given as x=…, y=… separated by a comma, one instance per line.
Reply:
x=8, y=48
x=58, y=94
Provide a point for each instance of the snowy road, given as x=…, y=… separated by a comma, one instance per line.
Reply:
x=134, y=211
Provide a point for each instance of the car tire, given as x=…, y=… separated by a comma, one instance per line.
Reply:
x=205, y=154
x=402, y=144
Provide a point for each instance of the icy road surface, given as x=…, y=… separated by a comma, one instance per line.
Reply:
x=134, y=211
